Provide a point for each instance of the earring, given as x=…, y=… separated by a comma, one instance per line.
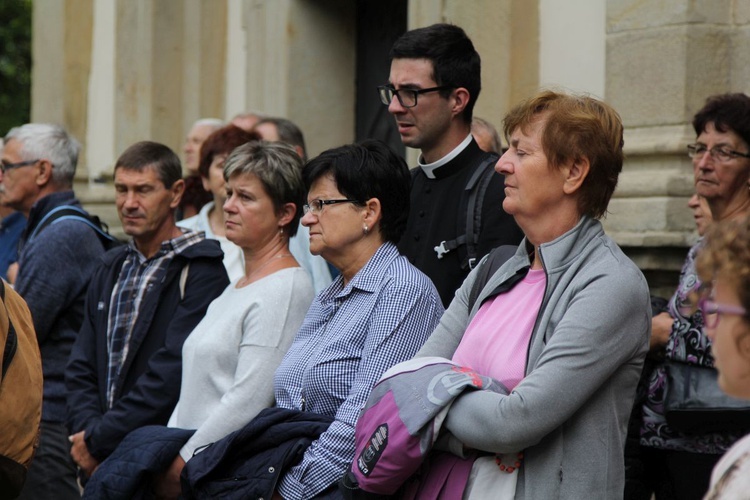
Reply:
x=365, y=229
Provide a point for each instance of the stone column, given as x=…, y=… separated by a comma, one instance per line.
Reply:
x=61, y=51
x=169, y=68
x=300, y=65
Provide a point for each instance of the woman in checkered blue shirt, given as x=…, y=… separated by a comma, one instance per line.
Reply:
x=377, y=313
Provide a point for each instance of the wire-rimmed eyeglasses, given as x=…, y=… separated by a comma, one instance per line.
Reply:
x=711, y=311
x=406, y=97
x=316, y=206
x=718, y=153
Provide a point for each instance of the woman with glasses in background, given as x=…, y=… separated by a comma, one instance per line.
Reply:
x=725, y=262
x=676, y=464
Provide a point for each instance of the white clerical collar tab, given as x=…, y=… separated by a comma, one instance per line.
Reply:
x=429, y=168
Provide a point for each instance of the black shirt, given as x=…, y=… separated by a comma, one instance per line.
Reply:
x=433, y=218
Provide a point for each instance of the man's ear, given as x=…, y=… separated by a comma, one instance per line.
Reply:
x=177, y=190
x=575, y=173
x=44, y=173
x=460, y=97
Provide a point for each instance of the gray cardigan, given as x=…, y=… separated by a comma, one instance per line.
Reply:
x=569, y=414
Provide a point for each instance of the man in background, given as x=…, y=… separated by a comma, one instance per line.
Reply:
x=143, y=301
x=195, y=195
x=274, y=129
x=55, y=264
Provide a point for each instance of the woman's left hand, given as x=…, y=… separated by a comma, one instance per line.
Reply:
x=167, y=484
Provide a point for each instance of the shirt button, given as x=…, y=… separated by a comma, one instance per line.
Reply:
x=428, y=190
x=421, y=213
x=416, y=237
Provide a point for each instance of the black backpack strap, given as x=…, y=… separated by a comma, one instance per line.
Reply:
x=469, y=222
x=11, y=342
x=69, y=212
x=495, y=259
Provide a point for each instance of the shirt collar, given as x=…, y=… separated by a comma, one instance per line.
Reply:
x=368, y=278
x=176, y=245
x=429, y=168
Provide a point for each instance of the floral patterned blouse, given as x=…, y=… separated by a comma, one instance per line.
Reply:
x=687, y=343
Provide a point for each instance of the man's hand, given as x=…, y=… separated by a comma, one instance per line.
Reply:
x=167, y=484
x=81, y=455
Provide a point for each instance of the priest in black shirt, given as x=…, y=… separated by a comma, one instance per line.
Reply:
x=456, y=214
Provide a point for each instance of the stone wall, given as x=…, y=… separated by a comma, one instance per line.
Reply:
x=165, y=63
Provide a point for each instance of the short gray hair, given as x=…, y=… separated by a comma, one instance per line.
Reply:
x=481, y=124
x=214, y=123
x=45, y=141
x=278, y=167
x=288, y=132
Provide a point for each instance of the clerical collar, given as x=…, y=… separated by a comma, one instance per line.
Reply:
x=429, y=168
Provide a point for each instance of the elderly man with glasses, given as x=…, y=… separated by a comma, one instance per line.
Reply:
x=55, y=264
x=456, y=214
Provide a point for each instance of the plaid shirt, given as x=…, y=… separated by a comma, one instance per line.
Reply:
x=137, y=276
x=350, y=336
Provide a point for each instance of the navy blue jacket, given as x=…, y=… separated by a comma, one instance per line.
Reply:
x=249, y=462
x=128, y=472
x=149, y=383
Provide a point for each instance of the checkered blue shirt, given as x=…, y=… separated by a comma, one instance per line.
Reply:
x=137, y=275
x=350, y=336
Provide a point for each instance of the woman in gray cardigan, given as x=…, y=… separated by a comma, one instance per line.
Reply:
x=564, y=323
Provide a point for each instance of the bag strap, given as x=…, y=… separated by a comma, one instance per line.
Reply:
x=495, y=259
x=70, y=212
x=11, y=342
x=470, y=216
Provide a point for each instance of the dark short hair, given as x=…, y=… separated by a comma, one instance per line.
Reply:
x=278, y=167
x=577, y=127
x=727, y=112
x=364, y=171
x=455, y=62
x=288, y=132
x=149, y=154
x=222, y=142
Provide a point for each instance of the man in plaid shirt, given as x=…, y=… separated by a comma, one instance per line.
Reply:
x=143, y=301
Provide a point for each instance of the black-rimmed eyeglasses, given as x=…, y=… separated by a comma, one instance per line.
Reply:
x=718, y=153
x=406, y=97
x=5, y=166
x=316, y=206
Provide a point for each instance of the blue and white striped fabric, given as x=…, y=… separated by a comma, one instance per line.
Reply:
x=351, y=335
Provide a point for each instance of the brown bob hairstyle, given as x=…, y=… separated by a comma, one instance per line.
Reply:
x=222, y=142
x=577, y=127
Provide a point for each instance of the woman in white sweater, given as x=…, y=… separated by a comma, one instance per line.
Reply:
x=230, y=358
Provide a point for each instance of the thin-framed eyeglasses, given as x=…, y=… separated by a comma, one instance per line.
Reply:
x=718, y=153
x=10, y=166
x=406, y=97
x=316, y=206
x=712, y=310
